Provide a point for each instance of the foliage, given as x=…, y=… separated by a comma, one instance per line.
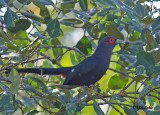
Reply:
x=32, y=30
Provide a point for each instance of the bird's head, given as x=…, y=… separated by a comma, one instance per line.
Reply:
x=108, y=43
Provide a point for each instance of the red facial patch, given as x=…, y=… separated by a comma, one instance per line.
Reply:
x=111, y=40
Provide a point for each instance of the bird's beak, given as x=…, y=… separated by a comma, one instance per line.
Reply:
x=118, y=41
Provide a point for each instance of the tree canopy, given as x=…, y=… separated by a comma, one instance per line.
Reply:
x=61, y=33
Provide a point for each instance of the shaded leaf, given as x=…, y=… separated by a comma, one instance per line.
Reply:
x=97, y=109
x=147, y=20
x=145, y=59
x=32, y=112
x=112, y=30
x=71, y=108
x=85, y=45
x=22, y=24
x=45, y=2
x=82, y=13
x=140, y=69
x=129, y=111
x=138, y=78
x=53, y=28
x=32, y=16
x=156, y=79
x=83, y=4
x=24, y=1
x=3, y=3
x=118, y=97
x=8, y=18
x=16, y=81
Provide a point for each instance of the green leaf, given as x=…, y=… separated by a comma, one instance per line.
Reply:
x=117, y=82
x=156, y=79
x=138, y=78
x=147, y=20
x=20, y=38
x=155, y=113
x=97, y=109
x=16, y=81
x=145, y=59
x=24, y=1
x=112, y=30
x=118, y=97
x=67, y=4
x=22, y=24
x=150, y=100
x=32, y=16
x=83, y=4
x=156, y=24
x=82, y=13
x=32, y=112
x=144, y=91
x=71, y=108
x=70, y=22
x=140, y=10
x=5, y=99
x=8, y=18
x=84, y=45
x=3, y=3
x=67, y=93
x=4, y=87
x=111, y=17
x=106, y=2
x=12, y=46
x=73, y=59
x=45, y=2
x=129, y=111
x=40, y=83
x=140, y=69
x=157, y=108
x=150, y=40
x=53, y=28
x=39, y=35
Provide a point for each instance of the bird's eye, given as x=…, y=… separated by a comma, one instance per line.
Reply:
x=111, y=40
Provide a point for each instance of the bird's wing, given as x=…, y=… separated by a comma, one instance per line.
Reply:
x=81, y=69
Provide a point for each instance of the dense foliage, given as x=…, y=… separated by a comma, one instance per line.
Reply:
x=33, y=33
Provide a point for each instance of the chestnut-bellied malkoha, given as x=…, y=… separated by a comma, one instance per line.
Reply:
x=87, y=72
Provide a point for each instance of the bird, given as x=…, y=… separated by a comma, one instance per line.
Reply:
x=88, y=71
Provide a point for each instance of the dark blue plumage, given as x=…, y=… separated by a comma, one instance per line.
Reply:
x=87, y=72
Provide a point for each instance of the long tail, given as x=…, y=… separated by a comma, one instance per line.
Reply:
x=43, y=71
